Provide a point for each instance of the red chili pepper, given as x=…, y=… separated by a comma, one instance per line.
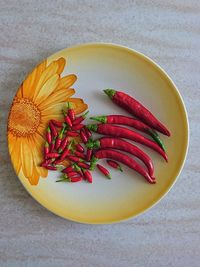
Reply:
x=84, y=138
x=124, y=120
x=46, y=149
x=66, y=151
x=52, y=155
x=72, y=134
x=67, y=120
x=79, y=148
x=70, y=178
x=58, y=124
x=68, y=169
x=114, y=164
x=76, y=179
x=117, y=131
x=48, y=135
x=71, y=112
x=53, y=129
x=116, y=143
x=104, y=171
x=83, y=165
x=59, y=138
x=78, y=169
x=63, y=144
x=52, y=168
x=89, y=154
x=131, y=163
x=137, y=109
x=87, y=175
x=77, y=127
x=87, y=132
x=80, y=119
x=52, y=145
x=75, y=159
x=57, y=161
x=79, y=154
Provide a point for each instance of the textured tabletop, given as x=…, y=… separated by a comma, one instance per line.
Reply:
x=168, y=32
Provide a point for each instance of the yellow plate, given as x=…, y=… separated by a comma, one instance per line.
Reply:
x=97, y=66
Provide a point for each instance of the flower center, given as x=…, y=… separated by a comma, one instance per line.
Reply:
x=24, y=117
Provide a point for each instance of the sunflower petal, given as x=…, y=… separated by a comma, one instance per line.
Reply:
x=19, y=93
x=61, y=64
x=15, y=155
x=66, y=82
x=26, y=158
x=11, y=141
x=47, y=89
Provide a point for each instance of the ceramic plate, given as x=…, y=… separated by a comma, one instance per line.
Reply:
x=89, y=69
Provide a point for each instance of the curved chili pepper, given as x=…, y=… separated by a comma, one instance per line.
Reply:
x=72, y=134
x=131, y=163
x=77, y=127
x=137, y=109
x=58, y=124
x=124, y=120
x=59, y=138
x=80, y=119
x=114, y=164
x=79, y=148
x=48, y=135
x=84, y=138
x=87, y=175
x=53, y=129
x=116, y=143
x=104, y=171
x=122, y=132
x=89, y=154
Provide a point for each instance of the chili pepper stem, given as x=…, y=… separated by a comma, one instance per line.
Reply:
x=101, y=119
x=157, y=139
x=109, y=92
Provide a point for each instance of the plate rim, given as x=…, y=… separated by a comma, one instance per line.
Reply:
x=187, y=128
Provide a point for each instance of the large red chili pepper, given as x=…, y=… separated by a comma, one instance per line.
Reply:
x=58, y=124
x=63, y=144
x=59, y=138
x=46, y=149
x=71, y=112
x=87, y=175
x=124, y=120
x=79, y=148
x=80, y=119
x=131, y=163
x=137, y=109
x=48, y=135
x=104, y=171
x=117, y=143
x=117, y=131
x=114, y=164
x=53, y=129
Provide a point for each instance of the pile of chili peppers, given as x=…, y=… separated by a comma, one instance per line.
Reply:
x=84, y=154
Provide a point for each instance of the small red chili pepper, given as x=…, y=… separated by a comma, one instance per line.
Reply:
x=79, y=154
x=71, y=112
x=114, y=164
x=58, y=124
x=137, y=109
x=80, y=119
x=57, y=161
x=52, y=155
x=67, y=119
x=59, y=138
x=68, y=169
x=87, y=175
x=53, y=129
x=63, y=144
x=52, y=168
x=72, y=179
x=48, y=135
x=104, y=171
x=79, y=148
x=52, y=145
x=76, y=179
x=66, y=151
x=131, y=163
x=78, y=169
x=84, y=138
x=72, y=134
x=83, y=165
x=87, y=132
x=75, y=159
x=77, y=127
x=128, y=121
x=89, y=154
x=46, y=149
x=117, y=131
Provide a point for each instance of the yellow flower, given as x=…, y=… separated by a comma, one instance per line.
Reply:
x=41, y=97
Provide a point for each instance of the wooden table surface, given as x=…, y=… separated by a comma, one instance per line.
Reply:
x=168, y=32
